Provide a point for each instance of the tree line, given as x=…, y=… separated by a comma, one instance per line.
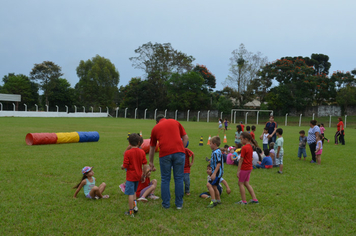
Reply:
x=171, y=81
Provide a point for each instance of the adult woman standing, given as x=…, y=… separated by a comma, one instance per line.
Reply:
x=340, y=131
x=311, y=139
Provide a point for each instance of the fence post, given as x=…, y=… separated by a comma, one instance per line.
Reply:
x=155, y=113
x=47, y=108
x=1, y=106
x=57, y=108
x=117, y=110
x=285, y=122
x=165, y=113
x=92, y=109
x=330, y=122
x=246, y=117
x=13, y=104
x=65, y=106
x=176, y=114
x=188, y=115
x=258, y=112
x=198, y=116
x=300, y=119
x=313, y=116
x=25, y=107
x=345, y=120
x=107, y=110
x=231, y=116
x=207, y=119
x=83, y=109
x=145, y=113
x=235, y=117
x=221, y=115
x=35, y=106
x=125, y=112
x=135, y=112
x=100, y=109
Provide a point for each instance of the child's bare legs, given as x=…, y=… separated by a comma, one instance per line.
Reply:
x=242, y=191
x=250, y=189
x=211, y=191
x=216, y=191
x=97, y=191
x=281, y=167
x=151, y=189
x=131, y=201
x=204, y=196
x=318, y=159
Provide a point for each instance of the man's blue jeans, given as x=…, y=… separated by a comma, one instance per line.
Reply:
x=175, y=160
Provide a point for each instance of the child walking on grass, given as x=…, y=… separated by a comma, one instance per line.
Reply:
x=244, y=169
x=319, y=148
x=88, y=183
x=134, y=161
x=217, y=168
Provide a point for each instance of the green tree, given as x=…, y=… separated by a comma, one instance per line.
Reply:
x=185, y=91
x=209, y=78
x=320, y=62
x=244, y=68
x=161, y=60
x=21, y=84
x=98, y=81
x=60, y=94
x=346, y=97
x=44, y=73
x=224, y=104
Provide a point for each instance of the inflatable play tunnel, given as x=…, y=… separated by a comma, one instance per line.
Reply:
x=53, y=138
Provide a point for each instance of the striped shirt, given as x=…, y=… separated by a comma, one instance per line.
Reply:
x=311, y=134
x=216, y=157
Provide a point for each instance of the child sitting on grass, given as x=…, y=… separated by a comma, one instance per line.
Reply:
x=134, y=161
x=229, y=159
x=88, y=183
x=266, y=162
x=206, y=195
x=217, y=168
x=146, y=189
x=236, y=155
x=245, y=168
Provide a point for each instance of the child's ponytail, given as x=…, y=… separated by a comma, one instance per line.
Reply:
x=83, y=178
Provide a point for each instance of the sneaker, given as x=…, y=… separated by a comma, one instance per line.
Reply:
x=136, y=209
x=279, y=172
x=252, y=201
x=207, y=197
x=122, y=187
x=212, y=204
x=154, y=197
x=241, y=203
x=179, y=208
x=218, y=201
x=106, y=196
x=312, y=161
x=128, y=213
x=142, y=199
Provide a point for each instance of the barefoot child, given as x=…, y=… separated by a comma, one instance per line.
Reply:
x=244, y=169
x=134, y=161
x=319, y=148
x=88, y=183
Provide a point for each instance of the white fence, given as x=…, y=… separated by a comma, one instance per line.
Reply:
x=50, y=114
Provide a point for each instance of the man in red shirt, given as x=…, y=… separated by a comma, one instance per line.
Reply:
x=172, y=139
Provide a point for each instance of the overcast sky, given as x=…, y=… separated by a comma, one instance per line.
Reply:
x=67, y=31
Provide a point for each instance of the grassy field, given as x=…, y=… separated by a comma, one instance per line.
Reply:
x=37, y=196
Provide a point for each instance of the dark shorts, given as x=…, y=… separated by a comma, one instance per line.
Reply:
x=215, y=182
x=207, y=193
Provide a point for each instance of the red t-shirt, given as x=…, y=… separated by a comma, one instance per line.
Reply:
x=339, y=125
x=242, y=127
x=188, y=154
x=246, y=154
x=169, y=133
x=142, y=186
x=252, y=135
x=133, y=161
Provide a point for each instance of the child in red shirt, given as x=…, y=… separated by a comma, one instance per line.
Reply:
x=134, y=160
x=187, y=166
x=146, y=189
x=245, y=167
